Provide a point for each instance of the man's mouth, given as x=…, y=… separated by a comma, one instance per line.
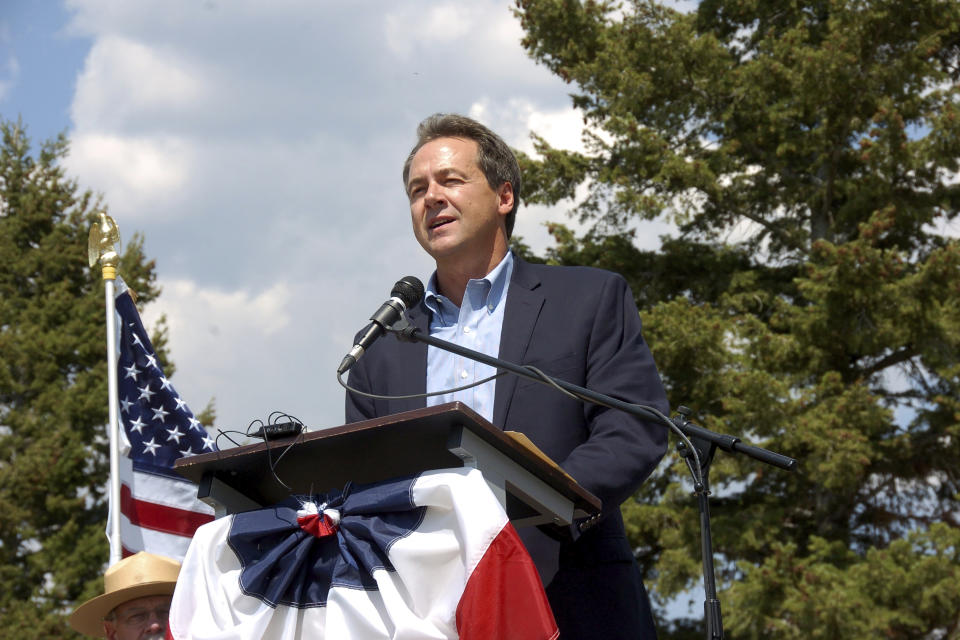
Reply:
x=439, y=222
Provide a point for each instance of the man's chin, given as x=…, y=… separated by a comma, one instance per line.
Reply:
x=160, y=635
x=444, y=247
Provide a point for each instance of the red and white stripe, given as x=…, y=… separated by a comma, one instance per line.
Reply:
x=158, y=514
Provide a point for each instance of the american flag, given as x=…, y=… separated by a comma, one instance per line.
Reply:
x=159, y=510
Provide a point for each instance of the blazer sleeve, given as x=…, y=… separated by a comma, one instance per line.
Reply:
x=357, y=407
x=620, y=450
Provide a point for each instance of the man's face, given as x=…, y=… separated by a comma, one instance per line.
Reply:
x=453, y=208
x=140, y=619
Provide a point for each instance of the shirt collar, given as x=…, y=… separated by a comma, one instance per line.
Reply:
x=497, y=281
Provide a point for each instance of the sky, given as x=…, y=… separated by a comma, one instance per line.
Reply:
x=257, y=148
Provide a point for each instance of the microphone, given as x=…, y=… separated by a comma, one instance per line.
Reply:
x=408, y=292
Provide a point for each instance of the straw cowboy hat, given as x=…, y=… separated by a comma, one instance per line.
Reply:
x=142, y=574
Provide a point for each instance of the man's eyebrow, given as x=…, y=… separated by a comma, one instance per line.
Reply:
x=442, y=172
x=412, y=182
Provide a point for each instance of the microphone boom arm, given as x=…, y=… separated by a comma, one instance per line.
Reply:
x=408, y=333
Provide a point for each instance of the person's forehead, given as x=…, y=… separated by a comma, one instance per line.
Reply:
x=146, y=602
x=447, y=150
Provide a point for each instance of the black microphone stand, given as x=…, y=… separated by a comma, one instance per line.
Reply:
x=701, y=488
x=697, y=447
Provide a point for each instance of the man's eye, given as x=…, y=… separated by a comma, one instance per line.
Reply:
x=137, y=618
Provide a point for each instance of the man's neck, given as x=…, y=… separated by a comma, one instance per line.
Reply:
x=453, y=276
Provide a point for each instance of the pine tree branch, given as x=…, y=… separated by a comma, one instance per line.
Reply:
x=890, y=360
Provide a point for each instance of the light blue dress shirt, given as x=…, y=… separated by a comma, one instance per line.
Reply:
x=476, y=325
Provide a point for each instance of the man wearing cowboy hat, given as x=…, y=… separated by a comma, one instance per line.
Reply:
x=136, y=600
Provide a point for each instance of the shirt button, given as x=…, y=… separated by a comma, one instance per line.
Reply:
x=464, y=374
x=466, y=329
x=489, y=307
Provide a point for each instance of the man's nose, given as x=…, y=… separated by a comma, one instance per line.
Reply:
x=434, y=195
x=156, y=621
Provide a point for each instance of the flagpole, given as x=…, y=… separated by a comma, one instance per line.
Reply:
x=102, y=247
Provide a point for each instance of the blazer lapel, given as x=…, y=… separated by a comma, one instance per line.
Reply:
x=524, y=302
x=411, y=365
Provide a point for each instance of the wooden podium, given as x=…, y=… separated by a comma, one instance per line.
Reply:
x=532, y=489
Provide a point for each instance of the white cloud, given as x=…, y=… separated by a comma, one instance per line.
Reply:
x=408, y=28
x=217, y=312
x=216, y=339
x=465, y=47
x=562, y=129
x=516, y=118
x=132, y=172
x=125, y=83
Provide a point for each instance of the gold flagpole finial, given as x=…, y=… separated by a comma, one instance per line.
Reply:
x=102, y=246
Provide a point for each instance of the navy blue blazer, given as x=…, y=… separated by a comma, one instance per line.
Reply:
x=581, y=325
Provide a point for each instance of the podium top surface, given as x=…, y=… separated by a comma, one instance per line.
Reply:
x=393, y=446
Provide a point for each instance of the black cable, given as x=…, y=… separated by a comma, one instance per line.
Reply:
x=416, y=395
x=222, y=433
x=272, y=419
x=290, y=419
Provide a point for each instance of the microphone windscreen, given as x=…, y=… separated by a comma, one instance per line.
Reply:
x=408, y=289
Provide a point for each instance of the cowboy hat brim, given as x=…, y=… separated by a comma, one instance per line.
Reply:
x=88, y=617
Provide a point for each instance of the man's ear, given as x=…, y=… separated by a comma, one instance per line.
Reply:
x=505, y=198
x=109, y=632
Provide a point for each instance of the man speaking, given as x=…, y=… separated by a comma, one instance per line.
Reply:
x=575, y=323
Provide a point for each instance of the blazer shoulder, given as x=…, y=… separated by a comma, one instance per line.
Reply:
x=566, y=276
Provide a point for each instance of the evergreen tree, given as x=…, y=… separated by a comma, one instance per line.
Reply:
x=808, y=154
x=53, y=389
